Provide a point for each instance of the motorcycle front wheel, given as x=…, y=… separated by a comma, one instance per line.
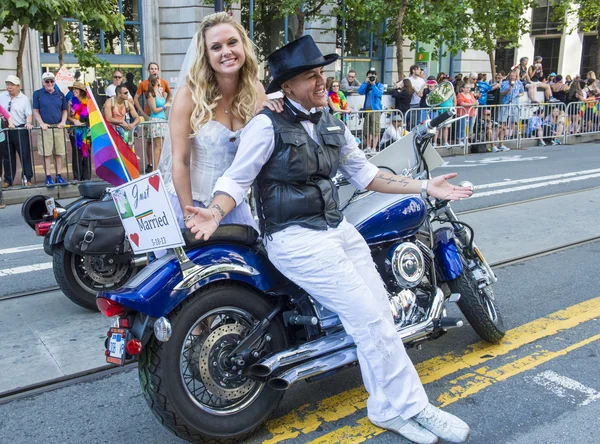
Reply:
x=478, y=306
x=81, y=277
x=192, y=389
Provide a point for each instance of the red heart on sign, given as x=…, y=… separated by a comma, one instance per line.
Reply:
x=135, y=238
x=154, y=181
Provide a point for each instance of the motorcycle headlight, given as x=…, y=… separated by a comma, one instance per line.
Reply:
x=408, y=264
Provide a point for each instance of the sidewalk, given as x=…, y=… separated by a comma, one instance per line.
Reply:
x=47, y=336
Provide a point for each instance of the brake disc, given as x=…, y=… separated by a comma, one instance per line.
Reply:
x=218, y=378
x=101, y=272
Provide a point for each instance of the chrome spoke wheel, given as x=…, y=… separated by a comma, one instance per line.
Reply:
x=487, y=299
x=215, y=383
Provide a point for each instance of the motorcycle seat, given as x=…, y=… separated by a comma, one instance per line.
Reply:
x=238, y=234
x=93, y=190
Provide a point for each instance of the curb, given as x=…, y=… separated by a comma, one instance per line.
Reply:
x=18, y=195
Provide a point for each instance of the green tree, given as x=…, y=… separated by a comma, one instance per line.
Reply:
x=433, y=22
x=588, y=12
x=492, y=21
x=45, y=15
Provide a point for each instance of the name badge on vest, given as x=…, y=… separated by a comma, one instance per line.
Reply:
x=333, y=128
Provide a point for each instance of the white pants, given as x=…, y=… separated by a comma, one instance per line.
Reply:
x=336, y=268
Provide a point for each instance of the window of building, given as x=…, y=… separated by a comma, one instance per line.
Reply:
x=126, y=42
x=589, y=59
x=504, y=57
x=549, y=49
x=361, y=48
x=542, y=20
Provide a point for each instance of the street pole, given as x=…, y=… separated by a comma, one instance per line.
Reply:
x=219, y=6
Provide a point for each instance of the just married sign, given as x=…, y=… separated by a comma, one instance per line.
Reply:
x=147, y=214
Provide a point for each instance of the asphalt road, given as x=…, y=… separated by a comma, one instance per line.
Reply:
x=540, y=386
x=499, y=177
x=507, y=395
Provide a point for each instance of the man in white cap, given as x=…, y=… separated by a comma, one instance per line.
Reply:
x=292, y=157
x=393, y=132
x=50, y=108
x=17, y=141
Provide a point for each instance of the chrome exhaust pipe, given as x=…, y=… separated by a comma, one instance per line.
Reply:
x=303, y=352
x=313, y=368
x=322, y=364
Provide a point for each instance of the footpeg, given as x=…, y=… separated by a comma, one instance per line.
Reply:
x=447, y=323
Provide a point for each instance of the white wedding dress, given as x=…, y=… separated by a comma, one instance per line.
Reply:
x=212, y=152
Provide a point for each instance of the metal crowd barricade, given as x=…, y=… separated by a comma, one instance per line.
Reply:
x=370, y=127
x=495, y=125
x=150, y=147
x=17, y=145
x=582, y=118
x=544, y=122
x=447, y=137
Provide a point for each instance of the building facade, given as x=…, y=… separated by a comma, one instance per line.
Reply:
x=161, y=30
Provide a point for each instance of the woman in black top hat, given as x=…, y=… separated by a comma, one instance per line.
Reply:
x=310, y=242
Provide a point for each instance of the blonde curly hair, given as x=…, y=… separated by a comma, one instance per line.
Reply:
x=202, y=81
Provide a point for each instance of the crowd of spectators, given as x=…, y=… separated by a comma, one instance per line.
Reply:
x=64, y=117
x=128, y=104
x=525, y=84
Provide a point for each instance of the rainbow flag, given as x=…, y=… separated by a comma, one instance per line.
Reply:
x=115, y=162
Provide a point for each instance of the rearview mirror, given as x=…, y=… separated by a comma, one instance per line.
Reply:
x=443, y=92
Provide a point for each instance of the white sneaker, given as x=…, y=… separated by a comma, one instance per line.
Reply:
x=443, y=424
x=542, y=143
x=503, y=148
x=495, y=149
x=409, y=429
x=446, y=145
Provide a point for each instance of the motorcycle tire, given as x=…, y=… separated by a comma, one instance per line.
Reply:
x=474, y=309
x=75, y=284
x=164, y=384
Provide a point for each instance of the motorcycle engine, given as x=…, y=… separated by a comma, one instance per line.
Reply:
x=407, y=264
x=404, y=307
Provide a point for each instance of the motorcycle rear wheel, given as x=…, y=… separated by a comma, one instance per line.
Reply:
x=76, y=283
x=191, y=395
x=480, y=310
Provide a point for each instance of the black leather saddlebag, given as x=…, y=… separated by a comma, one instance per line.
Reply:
x=96, y=229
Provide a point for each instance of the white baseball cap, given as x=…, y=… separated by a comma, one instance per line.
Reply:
x=13, y=79
x=47, y=75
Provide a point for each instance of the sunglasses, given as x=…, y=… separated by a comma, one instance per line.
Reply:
x=335, y=86
x=48, y=81
x=117, y=77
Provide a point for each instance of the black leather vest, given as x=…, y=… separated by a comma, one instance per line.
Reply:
x=294, y=187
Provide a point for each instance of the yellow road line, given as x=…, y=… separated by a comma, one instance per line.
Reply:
x=306, y=419
x=469, y=384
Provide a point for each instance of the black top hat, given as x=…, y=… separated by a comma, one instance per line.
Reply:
x=295, y=58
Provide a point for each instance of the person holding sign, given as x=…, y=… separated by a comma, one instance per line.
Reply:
x=218, y=94
x=292, y=158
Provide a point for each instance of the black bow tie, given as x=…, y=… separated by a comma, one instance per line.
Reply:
x=301, y=116
x=313, y=117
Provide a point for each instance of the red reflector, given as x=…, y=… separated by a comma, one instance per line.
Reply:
x=134, y=347
x=123, y=323
x=42, y=228
x=106, y=353
x=110, y=308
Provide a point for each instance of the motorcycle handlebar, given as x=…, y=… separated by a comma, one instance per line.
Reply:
x=433, y=123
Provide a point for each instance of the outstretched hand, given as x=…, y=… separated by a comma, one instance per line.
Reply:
x=442, y=189
x=202, y=224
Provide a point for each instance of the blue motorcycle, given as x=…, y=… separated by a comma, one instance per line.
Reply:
x=220, y=333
